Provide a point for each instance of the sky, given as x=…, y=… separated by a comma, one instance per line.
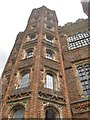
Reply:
x=14, y=15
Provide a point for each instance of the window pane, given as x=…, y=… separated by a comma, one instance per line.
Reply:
x=18, y=114
x=49, y=54
x=49, y=38
x=78, y=40
x=88, y=91
x=29, y=54
x=84, y=73
x=49, y=81
x=24, y=81
x=50, y=114
x=33, y=37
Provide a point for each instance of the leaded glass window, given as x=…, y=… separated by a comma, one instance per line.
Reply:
x=78, y=40
x=49, y=81
x=84, y=75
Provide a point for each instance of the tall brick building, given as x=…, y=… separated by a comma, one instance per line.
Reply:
x=47, y=74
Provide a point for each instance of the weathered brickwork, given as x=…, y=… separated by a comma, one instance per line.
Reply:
x=72, y=58
x=41, y=54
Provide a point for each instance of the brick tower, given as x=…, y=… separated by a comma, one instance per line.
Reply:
x=37, y=79
x=33, y=80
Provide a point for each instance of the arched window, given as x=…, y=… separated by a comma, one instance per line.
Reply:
x=29, y=54
x=33, y=36
x=49, y=38
x=24, y=82
x=49, y=27
x=49, y=54
x=51, y=114
x=17, y=113
x=49, y=81
x=34, y=26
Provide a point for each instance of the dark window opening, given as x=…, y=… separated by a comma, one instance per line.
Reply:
x=29, y=54
x=49, y=54
x=49, y=38
x=33, y=36
x=50, y=114
x=18, y=114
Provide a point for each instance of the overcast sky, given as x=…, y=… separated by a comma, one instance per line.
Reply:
x=14, y=15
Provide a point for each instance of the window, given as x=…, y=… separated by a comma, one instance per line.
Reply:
x=49, y=19
x=24, y=81
x=49, y=38
x=27, y=38
x=34, y=26
x=84, y=75
x=30, y=37
x=49, y=81
x=36, y=18
x=50, y=114
x=49, y=54
x=49, y=27
x=33, y=36
x=49, y=13
x=29, y=54
x=78, y=40
x=17, y=113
